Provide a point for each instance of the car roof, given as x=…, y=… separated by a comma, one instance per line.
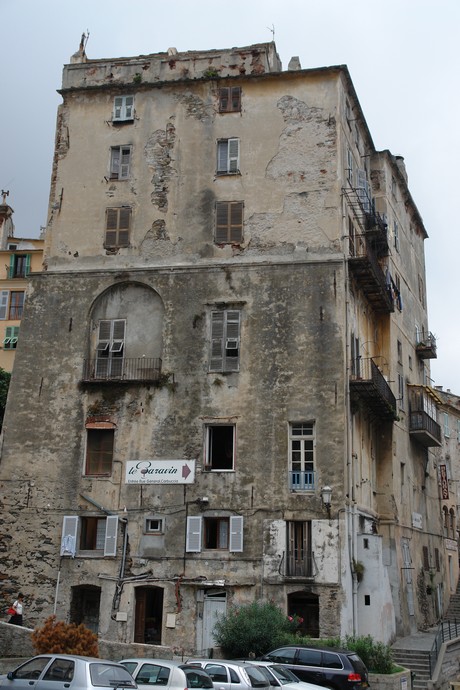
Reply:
x=231, y=662
x=76, y=656
x=166, y=662
x=314, y=647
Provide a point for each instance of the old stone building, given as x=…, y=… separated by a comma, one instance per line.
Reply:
x=228, y=391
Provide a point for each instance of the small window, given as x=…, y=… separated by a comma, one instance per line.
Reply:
x=123, y=109
x=153, y=526
x=10, y=340
x=118, y=225
x=16, y=305
x=230, y=99
x=61, y=670
x=446, y=425
x=228, y=156
x=225, y=340
x=99, y=452
x=216, y=533
x=120, y=162
x=19, y=266
x=224, y=533
x=92, y=534
x=220, y=447
x=229, y=222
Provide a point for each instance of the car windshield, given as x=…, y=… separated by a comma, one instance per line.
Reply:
x=110, y=676
x=284, y=675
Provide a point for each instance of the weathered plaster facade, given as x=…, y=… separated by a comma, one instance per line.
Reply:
x=264, y=359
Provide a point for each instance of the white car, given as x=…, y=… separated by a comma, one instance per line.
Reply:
x=232, y=675
x=280, y=676
x=171, y=675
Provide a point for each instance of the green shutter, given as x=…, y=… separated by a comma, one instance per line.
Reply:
x=12, y=266
x=27, y=271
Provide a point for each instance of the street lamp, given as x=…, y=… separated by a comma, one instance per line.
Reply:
x=326, y=497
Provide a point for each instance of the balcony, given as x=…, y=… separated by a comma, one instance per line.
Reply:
x=122, y=369
x=300, y=480
x=302, y=565
x=424, y=429
x=369, y=388
x=426, y=346
x=369, y=274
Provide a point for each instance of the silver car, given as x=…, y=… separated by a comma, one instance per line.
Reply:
x=171, y=675
x=232, y=675
x=281, y=677
x=56, y=671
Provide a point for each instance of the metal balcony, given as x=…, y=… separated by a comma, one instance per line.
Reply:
x=121, y=369
x=426, y=346
x=369, y=274
x=300, y=480
x=424, y=429
x=369, y=388
x=300, y=564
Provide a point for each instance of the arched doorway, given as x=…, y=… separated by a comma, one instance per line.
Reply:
x=148, y=615
x=305, y=605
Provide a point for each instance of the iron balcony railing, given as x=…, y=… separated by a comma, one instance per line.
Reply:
x=369, y=274
x=369, y=387
x=424, y=428
x=300, y=480
x=299, y=564
x=426, y=346
x=145, y=369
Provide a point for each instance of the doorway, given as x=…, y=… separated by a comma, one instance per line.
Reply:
x=305, y=605
x=148, y=615
x=214, y=604
x=84, y=606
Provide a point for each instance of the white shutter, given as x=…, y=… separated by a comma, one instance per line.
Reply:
x=217, y=340
x=232, y=340
x=3, y=303
x=129, y=102
x=236, y=533
x=69, y=535
x=125, y=159
x=222, y=156
x=193, y=542
x=363, y=191
x=117, y=108
x=111, y=532
x=233, y=155
x=115, y=162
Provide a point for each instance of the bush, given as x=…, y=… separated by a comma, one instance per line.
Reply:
x=57, y=637
x=376, y=655
x=252, y=629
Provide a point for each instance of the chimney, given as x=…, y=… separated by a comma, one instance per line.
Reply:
x=402, y=167
x=294, y=64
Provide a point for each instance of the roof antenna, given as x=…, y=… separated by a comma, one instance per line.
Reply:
x=272, y=30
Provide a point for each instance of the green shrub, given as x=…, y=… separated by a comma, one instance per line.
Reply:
x=252, y=629
x=376, y=655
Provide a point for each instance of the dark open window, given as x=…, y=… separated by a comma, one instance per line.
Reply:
x=92, y=535
x=220, y=442
x=216, y=531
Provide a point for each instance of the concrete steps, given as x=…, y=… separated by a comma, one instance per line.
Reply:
x=417, y=661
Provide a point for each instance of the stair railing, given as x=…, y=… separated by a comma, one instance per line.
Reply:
x=447, y=630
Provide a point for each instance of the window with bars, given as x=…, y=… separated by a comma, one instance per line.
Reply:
x=230, y=99
x=120, y=162
x=225, y=340
x=299, y=556
x=302, y=456
x=123, y=109
x=118, y=226
x=99, y=452
x=228, y=156
x=229, y=222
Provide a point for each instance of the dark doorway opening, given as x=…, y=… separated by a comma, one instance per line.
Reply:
x=84, y=606
x=305, y=605
x=149, y=615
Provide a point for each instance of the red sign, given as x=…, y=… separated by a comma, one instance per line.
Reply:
x=444, y=482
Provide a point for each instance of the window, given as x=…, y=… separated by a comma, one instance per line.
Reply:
x=396, y=235
x=123, y=108
x=16, y=305
x=120, y=162
x=19, y=266
x=299, y=553
x=117, y=226
x=225, y=340
x=10, y=340
x=230, y=99
x=153, y=526
x=446, y=425
x=437, y=560
x=425, y=557
x=229, y=222
x=400, y=352
x=228, y=156
x=99, y=451
x=224, y=533
x=401, y=391
x=61, y=670
x=349, y=169
x=301, y=456
x=220, y=447
x=421, y=291
x=95, y=534
x=110, y=348
x=355, y=356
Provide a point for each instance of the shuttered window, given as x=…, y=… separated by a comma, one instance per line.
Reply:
x=99, y=452
x=225, y=340
x=19, y=266
x=120, y=162
x=229, y=222
x=10, y=340
x=118, y=225
x=228, y=156
x=230, y=99
x=110, y=348
x=4, y=296
x=16, y=305
x=123, y=108
x=96, y=534
x=222, y=533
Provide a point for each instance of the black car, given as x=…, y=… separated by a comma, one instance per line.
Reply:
x=338, y=669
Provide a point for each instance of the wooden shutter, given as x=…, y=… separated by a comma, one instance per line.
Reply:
x=236, y=221
x=105, y=331
x=118, y=222
x=12, y=268
x=426, y=560
x=233, y=155
x=4, y=294
x=236, y=533
x=27, y=267
x=235, y=99
x=69, y=535
x=11, y=337
x=111, y=531
x=229, y=222
x=193, y=542
x=224, y=99
x=217, y=340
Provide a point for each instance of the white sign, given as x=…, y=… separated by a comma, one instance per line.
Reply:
x=417, y=520
x=160, y=471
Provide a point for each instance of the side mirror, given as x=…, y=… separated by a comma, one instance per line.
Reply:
x=10, y=675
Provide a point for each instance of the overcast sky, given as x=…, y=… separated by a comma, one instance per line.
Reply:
x=403, y=56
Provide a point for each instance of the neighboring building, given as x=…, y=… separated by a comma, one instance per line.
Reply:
x=228, y=386
x=18, y=257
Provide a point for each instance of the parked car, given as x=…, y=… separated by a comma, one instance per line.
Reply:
x=53, y=671
x=280, y=676
x=232, y=675
x=337, y=669
x=172, y=675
